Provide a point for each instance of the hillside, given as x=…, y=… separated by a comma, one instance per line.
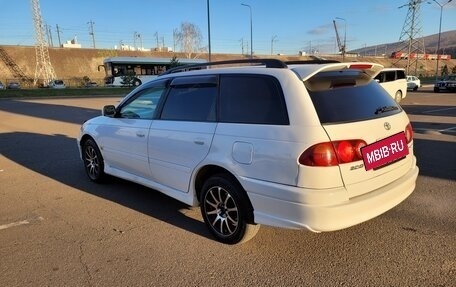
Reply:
x=447, y=45
x=18, y=62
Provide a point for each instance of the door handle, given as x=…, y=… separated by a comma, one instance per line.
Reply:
x=140, y=135
x=199, y=142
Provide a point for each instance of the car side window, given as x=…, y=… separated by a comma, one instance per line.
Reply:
x=390, y=76
x=191, y=99
x=380, y=77
x=252, y=99
x=144, y=104
x=400, y=74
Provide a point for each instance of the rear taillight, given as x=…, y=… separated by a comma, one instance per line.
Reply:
x=409, y=133
x=332, y=153
x=360, y=66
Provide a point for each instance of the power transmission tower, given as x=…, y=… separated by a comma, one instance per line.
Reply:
x=411, y=37
x=43, y=69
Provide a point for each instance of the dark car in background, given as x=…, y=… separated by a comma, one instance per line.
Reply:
x=447, y=84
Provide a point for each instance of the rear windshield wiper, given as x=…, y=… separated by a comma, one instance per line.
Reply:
x=386, y=109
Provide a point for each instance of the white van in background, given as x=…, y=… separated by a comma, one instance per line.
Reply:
x=393, y=80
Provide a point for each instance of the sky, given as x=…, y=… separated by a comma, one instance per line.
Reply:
x=278, y=26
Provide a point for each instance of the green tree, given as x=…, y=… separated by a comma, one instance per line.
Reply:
x=85, y=81
x=128, y=79
x=174, y=62
x=444, y=71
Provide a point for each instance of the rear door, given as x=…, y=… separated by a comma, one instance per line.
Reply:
x=180, y=139
x=362, y=112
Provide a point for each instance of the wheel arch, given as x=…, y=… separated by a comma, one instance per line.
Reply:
x=84, y=138
x=211, y=170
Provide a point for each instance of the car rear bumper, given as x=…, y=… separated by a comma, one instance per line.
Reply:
x=319, y=216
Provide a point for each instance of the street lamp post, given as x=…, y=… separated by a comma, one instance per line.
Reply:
x=273, y=39
x=251, y=29
x=209, y=31
x=438, y=43
x=344, y=48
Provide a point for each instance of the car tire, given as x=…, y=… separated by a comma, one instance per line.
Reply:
x=93, y=161
x=136, y=82
x=398, y=97
x=415, y=88
x=436, y=90
x=226, y=209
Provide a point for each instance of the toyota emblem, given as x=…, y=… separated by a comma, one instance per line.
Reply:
x=387, y=126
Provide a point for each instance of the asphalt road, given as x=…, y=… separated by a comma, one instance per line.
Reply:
x=59, y=229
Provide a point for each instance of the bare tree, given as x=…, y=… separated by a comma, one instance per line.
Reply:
x=189, y=38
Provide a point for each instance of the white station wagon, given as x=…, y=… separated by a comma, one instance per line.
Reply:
x=317, y=146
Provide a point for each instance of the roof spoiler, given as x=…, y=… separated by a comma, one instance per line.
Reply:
x=371, y=69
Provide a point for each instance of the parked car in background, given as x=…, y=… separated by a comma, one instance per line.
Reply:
x=394, y=82
x=14, y=85
x=292, y=145
x=413, y=83
x=447, y=84
x=57, y=84
x=91, y=85
x=2, y=87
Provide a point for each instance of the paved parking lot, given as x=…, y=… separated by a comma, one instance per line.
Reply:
x=59, y=229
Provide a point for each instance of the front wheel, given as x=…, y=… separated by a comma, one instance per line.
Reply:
x=225, y=210
x=93, y=161
x=137, y=82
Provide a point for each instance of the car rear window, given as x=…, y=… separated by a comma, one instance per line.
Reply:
x=354, y=98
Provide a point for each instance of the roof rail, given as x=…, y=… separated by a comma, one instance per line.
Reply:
x=269, y=63
x=313, y=61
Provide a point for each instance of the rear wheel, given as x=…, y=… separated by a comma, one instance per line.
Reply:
x=398, y=96
x=93, y=161
x=225, y=210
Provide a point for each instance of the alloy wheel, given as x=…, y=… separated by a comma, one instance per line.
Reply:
x=221, y=211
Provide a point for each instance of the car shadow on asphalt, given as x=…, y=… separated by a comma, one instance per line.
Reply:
x=57, y=157
x=436, y=158
x=430, y=110
x=62, y=113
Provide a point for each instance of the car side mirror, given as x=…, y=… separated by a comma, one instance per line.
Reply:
x=109, y=111
x=377, y=80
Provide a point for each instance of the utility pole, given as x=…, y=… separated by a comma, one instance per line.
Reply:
x=156, y=38
x=242, y=45
x=140, y=41
x=49, y=35
x=174, y=39
x=92, y=33
x=58, y=34
x=135, y=35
